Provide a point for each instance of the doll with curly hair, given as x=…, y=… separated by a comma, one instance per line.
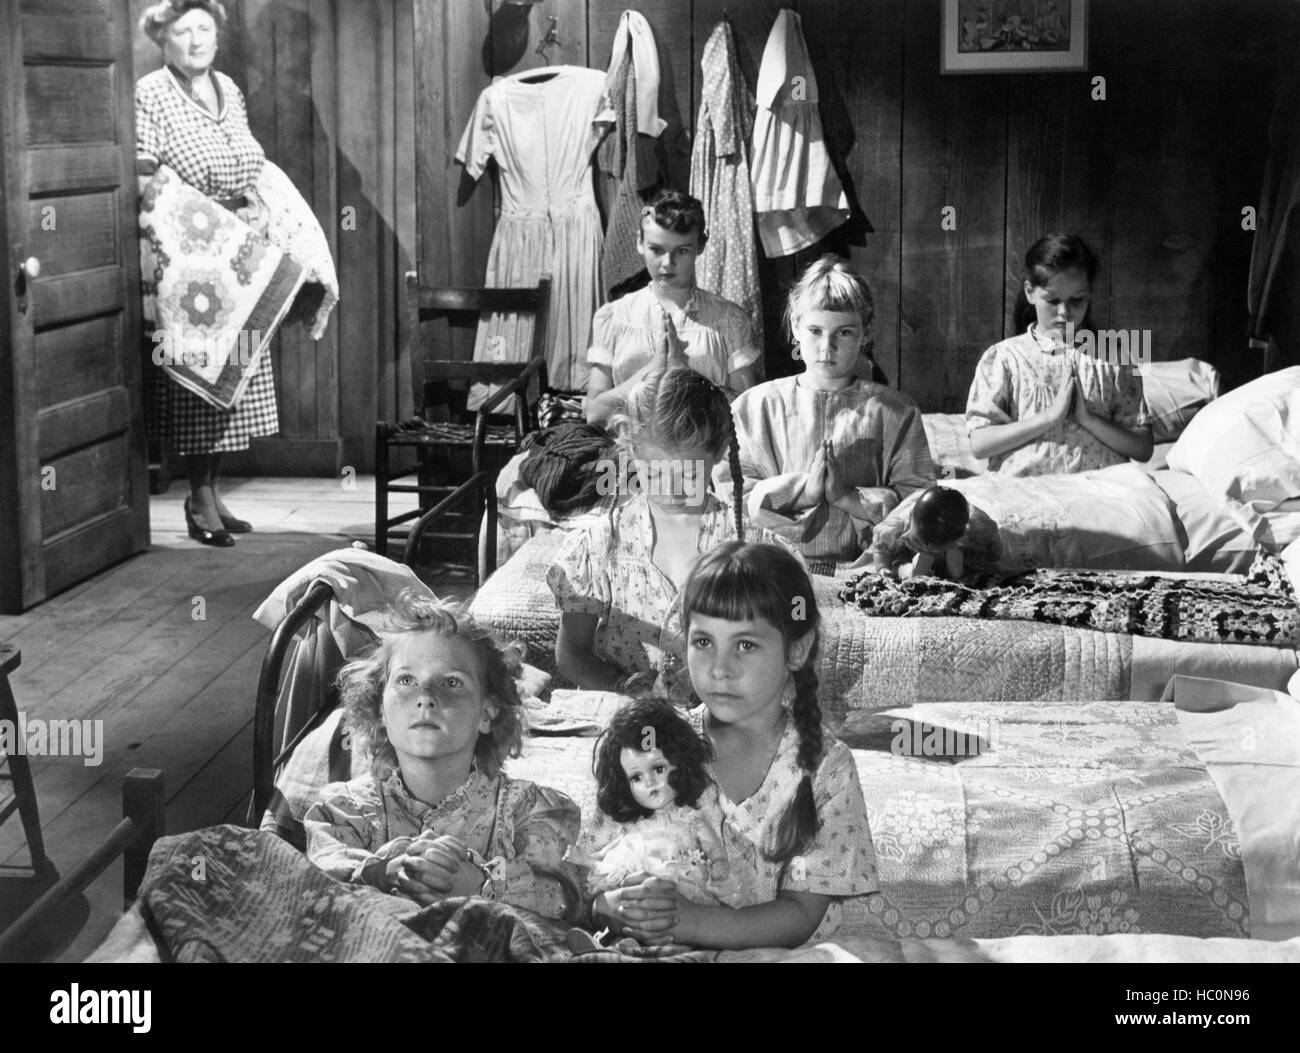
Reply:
x=651, y=776
x=436, y=706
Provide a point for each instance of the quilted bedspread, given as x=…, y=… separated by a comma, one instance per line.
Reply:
x=1009, y=820
x=868, y=663
x=1000, y=821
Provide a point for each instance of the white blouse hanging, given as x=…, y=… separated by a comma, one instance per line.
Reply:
x=797, y=193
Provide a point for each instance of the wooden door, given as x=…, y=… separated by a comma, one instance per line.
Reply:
x=73, y=473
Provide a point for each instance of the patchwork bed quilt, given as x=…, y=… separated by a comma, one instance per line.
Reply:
x=1259, y=608
x=259, y=900
x=990, y=822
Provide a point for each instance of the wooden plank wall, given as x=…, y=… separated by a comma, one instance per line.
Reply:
x=331, y=93
x=363, y=104
x=1155, y=176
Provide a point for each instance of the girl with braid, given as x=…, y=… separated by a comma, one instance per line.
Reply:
x=616, y=579
x=793, y=820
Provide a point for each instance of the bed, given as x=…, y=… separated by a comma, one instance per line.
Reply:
x=1207, y=505
x=1078, y=831
x=1083, y=831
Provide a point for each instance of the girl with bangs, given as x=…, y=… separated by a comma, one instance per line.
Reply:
x=794, y=823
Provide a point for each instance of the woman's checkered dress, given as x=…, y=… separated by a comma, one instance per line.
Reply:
x=217, y=154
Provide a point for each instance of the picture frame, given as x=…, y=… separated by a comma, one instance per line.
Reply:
x=1013, y=36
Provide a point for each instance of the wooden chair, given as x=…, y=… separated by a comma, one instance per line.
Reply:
x=19, y=775
x=446, y=434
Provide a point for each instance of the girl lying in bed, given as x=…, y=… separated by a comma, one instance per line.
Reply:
x=437, y=707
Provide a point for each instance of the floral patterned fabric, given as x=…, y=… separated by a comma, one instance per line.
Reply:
x=720, y=179
x=1020, y=377
x=515, y=830
x=1046, y=819
x=214, y=289
x=605, y=568
x=841, y=861
x=262, y=901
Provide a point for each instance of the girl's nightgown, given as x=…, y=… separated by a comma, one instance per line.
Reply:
x=841, y=861
x=1021, y=377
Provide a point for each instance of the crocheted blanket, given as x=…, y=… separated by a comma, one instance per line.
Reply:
x=1259, y=608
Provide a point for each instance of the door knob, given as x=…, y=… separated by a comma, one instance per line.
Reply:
x=28, y=269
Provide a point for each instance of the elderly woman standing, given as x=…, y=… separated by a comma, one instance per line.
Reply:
x=192, y=119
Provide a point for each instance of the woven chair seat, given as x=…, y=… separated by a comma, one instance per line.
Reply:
x=418, y=430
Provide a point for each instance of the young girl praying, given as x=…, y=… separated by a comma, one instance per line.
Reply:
x=826, y=455
x=1039, y=405
x=437, y=707
x=615, y=579
x=712, y=335
x=794, y=821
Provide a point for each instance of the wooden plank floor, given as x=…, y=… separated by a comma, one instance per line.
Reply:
x=164, y=650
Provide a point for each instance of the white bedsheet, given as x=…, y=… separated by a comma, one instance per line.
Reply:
x=1156, y=661
x=1249, y=740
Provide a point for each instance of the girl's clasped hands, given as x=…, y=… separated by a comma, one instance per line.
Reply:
x=434, y=867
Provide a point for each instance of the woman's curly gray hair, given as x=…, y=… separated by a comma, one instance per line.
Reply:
x=156, y=19
x=361, y=683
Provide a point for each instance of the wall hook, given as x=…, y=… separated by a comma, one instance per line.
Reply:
x=551, y=40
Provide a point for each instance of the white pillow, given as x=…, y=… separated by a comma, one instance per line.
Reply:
x=1215, y=540
x=1245, y=449
x=1175, y=392
x=1290, y=557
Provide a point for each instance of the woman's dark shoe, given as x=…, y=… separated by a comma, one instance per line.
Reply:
x=204, y=536
x=236, y=526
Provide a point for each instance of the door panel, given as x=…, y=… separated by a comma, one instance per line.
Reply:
x=74, y=457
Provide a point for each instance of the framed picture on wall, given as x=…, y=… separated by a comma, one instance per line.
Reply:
x=1014, y=36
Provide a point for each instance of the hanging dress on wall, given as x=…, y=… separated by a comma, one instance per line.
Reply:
x=542, y=135
x=629, y=154
x=728, y=265
x=797, y=193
